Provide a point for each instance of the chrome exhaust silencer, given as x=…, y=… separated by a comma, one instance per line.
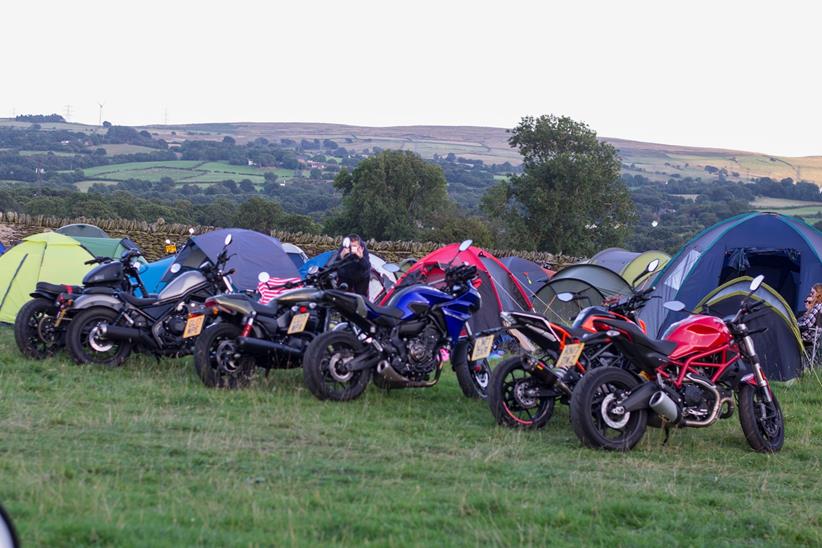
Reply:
x=665, y=407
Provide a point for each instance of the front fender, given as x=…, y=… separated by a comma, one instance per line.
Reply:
x=86, y=301
x=459, y=354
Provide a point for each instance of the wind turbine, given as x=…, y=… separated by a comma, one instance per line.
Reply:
x=100, y=119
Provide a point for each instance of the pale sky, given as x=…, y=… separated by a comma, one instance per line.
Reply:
x=732, y=74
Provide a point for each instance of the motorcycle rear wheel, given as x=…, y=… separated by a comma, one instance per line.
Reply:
x=591, y=403
x=762, y=422
x=34, y=330
x=216, y=359
x=508, y=403
x=86, y=347
x=324, y=369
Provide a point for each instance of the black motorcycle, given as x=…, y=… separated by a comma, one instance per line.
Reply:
x=107, y=327
x=245, y=334
x=41, y=324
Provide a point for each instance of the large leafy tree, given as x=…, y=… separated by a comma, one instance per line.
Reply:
x=569, y=198
x=394, y=195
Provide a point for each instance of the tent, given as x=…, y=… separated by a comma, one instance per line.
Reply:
x=378, y=273
x=2, y=248
x=629, y=264
x=784, y=249
x=48, y=257
x=606, y=281
x=152, y=274
x=80, y=229
x=251, y=253
x=295, y=253
x=500, y=289
x=547, y=304
x=780, y=347
x=106, y=247
x=531, y=276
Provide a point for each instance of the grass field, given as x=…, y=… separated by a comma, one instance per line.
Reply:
x=183, y=171
x=145, y=455
x=811, y=212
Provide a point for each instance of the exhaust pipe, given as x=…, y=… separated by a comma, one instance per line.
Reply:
x=664, y=406
x=385, y=369
x=129, y=334
x=262, y=346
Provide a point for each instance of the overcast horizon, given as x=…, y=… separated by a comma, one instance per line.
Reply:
x=736, y=75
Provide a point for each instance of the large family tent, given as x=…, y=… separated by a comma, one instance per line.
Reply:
x=546, y=302
x=608, y=282
x=48, y=257
x=106, y=247
x=380, y=277
x=630, y=265
x=83, y=230
x=531, y=276
x=251, y=253
x=152, y=274
x=784, y=249
x=780, y=346
x=499, y=288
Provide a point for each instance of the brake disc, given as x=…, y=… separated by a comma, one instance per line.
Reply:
x=609, y=418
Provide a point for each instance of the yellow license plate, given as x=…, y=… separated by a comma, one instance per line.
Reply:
x=194, y=326
x=298, y=323
x=570, y=355
x=482, y=348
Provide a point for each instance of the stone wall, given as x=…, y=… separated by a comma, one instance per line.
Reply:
x=151, y=238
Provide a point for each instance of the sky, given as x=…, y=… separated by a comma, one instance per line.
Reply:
x=733, y=74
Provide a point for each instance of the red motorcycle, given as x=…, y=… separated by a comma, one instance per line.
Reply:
x=696, y=371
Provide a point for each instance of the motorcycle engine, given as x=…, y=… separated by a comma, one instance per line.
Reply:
x=423, y=357
x=697, y=402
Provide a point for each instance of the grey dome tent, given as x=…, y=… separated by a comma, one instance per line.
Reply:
x=252, y=253
x=608, y=283
x=81, y=229
x=531, y=276
x=784, y=249
x=780, y=347
x=546, y=302
x=631, y=265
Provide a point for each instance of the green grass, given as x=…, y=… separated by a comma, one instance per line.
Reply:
x=184, y=171
x=146, y=455
x=138, y=166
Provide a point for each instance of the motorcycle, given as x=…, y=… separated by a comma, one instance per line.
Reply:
x=41, y=324
x=401, y=344
x=246, y=334
x=107, y=327
x=689, y=378
x=524, y=389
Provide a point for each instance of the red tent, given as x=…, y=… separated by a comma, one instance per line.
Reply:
x=500, y=289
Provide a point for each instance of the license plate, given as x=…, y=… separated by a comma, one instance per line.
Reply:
x=194, y=325
x=482, y=348
x=298, y=323
x=570, y=355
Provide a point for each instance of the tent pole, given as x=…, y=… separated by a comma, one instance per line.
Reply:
x=11, y=282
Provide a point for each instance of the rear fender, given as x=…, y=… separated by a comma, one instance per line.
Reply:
x=43, y=295
x=86, y=301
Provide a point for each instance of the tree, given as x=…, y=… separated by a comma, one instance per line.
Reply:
x=247, y=186
x=270, y=177
x=569, y=198
x=259, y=214
x=394, y=195
x=228, y=140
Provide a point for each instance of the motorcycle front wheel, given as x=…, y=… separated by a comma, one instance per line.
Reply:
x=595, y=412
x=218, y=360
x=325, y=367
x=511, y=400
x=762, y=421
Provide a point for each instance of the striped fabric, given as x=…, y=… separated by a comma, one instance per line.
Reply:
x=273, y=288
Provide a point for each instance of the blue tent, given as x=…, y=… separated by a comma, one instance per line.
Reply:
x=2, y=249
x=783, y=249
x=251, y=253
x=319, y=261
x=152, y=274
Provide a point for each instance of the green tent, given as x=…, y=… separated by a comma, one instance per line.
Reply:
x=630, y=264
x=47, y=257
x=106, y=247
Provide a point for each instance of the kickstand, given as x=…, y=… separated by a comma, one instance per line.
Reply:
x=667, y=429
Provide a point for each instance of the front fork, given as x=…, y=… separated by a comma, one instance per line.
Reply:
x=752, y=356
x=248, y=324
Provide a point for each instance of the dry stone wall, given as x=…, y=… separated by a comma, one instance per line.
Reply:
x=151, y=238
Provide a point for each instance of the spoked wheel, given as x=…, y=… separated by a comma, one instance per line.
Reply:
x=515, y=399
x=218, y=360
x=325, y=367
x=86, y=343
x=762, y=421
x=596, y=415
x=34, y=329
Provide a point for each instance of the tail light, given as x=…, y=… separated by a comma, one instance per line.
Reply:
x=476, y=282
x=303, y=309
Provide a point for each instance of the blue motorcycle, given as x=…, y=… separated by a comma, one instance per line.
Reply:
x=401, y=345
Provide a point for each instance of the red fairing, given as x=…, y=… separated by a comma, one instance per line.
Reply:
x=697, y=334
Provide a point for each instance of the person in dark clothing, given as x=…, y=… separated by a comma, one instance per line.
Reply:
x=356, y=273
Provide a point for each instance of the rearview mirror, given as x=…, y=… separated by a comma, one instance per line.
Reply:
x=168, y=242
x=263, y=277
x=391, y=267
x=652, y=266
x=465, y=245
x=175, y=268
x=757, y=282
x=565, y=297
x=228, y=240
x=191, y=231
x=313, y=269
x=675, y=306
x=346, y=242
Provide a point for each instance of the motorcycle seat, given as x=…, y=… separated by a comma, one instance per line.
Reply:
x=58, y=288
x=99, y=291
x=137, y=301
x=660, y=346
x=389, y=311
